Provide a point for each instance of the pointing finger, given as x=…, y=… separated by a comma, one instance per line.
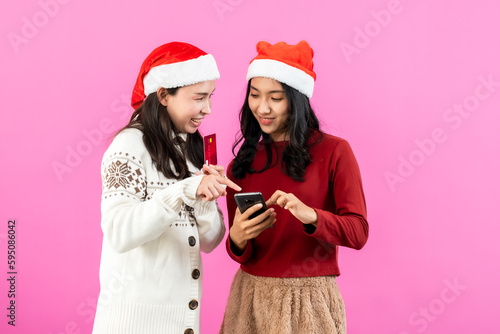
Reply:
x=229, y=183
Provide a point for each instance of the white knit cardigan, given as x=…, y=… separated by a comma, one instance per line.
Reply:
x=154, y=229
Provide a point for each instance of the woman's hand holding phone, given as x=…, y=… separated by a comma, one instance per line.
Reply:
x=244, y=228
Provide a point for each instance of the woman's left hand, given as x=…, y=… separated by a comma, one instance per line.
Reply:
x=210, y=190
x=290, y=202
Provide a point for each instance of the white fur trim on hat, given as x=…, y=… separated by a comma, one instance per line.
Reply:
x=274, y=69
x=181, y=74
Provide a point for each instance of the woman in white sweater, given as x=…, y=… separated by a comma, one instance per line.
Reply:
x=158, y=210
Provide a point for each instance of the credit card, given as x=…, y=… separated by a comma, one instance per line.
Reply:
x=210, y=149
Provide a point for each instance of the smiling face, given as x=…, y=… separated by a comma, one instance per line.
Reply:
x=189, y=105
x=269, y=105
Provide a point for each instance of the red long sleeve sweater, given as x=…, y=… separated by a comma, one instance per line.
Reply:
x=332, y=187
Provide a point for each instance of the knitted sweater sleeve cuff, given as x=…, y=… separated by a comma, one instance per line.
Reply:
x=174, y=195
x=210, y=221
x=317, y=231
x=310, y=228
x=240, y=257
x=346, y=230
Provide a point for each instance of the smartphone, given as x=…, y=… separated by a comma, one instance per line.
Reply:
x=247, y=200
x=210, y=146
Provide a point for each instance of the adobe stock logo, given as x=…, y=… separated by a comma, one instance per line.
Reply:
x=454, y=116
x=223, y=6
x=421, y=319
x=87, y=309
x=31, y=26
x=364, y=35
x=92, y=138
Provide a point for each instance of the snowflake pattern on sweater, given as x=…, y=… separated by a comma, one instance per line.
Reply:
x=126, y=174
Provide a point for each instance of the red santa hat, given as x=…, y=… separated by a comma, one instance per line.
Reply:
x=289, y=64
x=173, y=65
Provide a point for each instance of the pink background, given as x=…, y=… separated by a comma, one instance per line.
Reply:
x=392, y=77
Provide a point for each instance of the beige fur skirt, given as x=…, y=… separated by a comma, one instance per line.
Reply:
x=263, y=305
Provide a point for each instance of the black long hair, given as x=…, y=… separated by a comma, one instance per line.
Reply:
x=302, y=121
x=152, y=118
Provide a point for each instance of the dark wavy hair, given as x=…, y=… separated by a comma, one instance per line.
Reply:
x=152, y=118
x=302, y=121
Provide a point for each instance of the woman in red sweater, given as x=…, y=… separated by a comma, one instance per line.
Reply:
x=312, y=184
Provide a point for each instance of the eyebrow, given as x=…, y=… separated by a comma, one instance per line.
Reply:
x=271, y=92
x=204, y=93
